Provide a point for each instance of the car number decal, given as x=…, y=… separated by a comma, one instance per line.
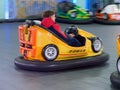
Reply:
x=77, y=51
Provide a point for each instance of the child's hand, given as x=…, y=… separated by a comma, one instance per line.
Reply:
x=72, y=35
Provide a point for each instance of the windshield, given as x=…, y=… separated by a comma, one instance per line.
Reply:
x=113, y=8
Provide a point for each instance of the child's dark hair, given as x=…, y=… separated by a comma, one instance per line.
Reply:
x=48, y=13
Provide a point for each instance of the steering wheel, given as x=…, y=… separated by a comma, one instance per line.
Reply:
x=71, y=29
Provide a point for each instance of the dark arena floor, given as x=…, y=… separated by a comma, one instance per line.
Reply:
x=89, y=78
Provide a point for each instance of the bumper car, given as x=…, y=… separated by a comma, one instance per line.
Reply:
x=68, y=12
x=110, y=14
x=115, y=76
x=42, y=49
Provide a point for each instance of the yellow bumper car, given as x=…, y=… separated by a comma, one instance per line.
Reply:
x=42, y=49
x=115, y=76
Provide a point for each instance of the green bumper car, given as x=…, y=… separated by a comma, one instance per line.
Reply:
x=68, y=12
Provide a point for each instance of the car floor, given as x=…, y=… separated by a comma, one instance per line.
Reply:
x=88, y=78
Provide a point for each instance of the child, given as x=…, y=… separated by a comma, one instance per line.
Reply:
x=49, y=22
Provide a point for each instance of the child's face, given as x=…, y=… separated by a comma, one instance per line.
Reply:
x=53, y=17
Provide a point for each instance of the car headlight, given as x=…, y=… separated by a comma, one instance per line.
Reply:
x=96, y=44
x=118, y=65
